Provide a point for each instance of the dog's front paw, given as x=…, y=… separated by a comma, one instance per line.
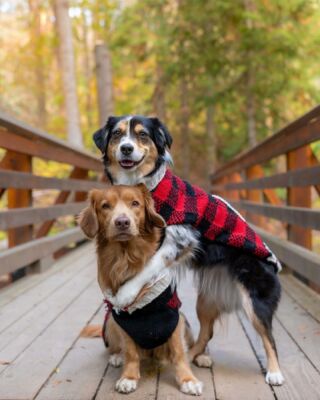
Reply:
x=125, y=385
x=274, y=378
x=125, y=296
x=116, y=360
x=192, y=387
x=203, y=361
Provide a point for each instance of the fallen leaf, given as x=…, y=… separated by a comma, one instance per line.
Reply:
x=3, y=362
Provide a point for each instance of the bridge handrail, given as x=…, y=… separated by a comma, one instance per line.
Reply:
x=246, y=182
x=20, y=137
x=305, y=129
x=30, y=238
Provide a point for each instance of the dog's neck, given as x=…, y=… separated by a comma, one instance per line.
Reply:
x=120, y=261
x=135, y=177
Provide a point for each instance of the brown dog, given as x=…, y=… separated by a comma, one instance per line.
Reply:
x=128, y=232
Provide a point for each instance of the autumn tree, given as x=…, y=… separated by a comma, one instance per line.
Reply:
x=67, y=62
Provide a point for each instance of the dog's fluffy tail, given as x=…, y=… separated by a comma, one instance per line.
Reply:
x=91, y=331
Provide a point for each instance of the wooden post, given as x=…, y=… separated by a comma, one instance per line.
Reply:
x=19, y=198
x=81, y=174
x=254, y=172
x=234, y=194
x=300, y=197
x=104, y=82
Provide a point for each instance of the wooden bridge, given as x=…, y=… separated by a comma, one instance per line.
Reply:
x=42, y=352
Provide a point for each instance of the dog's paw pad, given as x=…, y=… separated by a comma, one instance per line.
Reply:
x=274, y=378
x=203, y=361
x=192, y=387
x=125, y=385
x=116, y=360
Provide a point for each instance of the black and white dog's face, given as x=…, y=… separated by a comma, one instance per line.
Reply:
x=133, y=145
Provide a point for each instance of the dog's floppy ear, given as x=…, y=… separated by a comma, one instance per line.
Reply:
x=101, y=137
x=162, y=137
x=152, y=217
x=88, y=220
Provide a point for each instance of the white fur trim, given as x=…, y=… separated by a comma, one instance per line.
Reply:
x=272, y=258
x=157, y=286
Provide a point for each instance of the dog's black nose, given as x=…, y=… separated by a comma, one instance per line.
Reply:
x=122, y=222
x=126, y=149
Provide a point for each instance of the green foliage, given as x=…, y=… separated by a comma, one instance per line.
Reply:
x=214, y=46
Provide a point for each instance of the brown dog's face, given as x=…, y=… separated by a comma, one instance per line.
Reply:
x=120, y=213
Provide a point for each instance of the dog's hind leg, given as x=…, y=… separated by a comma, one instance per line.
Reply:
x=207, y=314
x=264, y=329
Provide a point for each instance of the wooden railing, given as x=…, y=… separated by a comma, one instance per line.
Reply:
x=253, y=183
x=29, y=234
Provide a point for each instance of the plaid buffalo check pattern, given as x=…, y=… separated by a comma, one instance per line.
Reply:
x=181, y=203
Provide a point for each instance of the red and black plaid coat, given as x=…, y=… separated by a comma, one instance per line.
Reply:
x=179, y=202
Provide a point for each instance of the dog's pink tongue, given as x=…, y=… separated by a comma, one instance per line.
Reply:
x=127, y=163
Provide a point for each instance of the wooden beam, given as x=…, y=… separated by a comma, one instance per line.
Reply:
x=27, y=253
x=82, y=196
x=254, y=195
x=300, y=197
x=297, y=178
x=272, y=197
x=44, y=229
x=295, y=215
x=47, y=151
x=22, y=180
x=314, y=161
x=34, y=215
x=301, y=260
x=301, y=132
x=20, y=137
x=20, y=198
x=4, y=164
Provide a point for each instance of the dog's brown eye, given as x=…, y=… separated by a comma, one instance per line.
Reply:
x=116, y=133
x=135, y=203
x=143, y=134
x=105, y=206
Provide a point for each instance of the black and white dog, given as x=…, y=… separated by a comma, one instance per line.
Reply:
x=234, y=272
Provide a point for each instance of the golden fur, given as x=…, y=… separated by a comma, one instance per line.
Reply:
x=120, y=257
x=119, y=260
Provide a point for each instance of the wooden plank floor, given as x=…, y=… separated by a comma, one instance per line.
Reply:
x=43, y=357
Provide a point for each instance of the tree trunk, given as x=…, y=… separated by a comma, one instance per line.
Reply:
x=250, y=97
x=184, y=129
x=158, y=97
x=104, y=82
x=87, y=69
x=40, y=79
x=66, y=54
x=251, y=109
x=211, y=141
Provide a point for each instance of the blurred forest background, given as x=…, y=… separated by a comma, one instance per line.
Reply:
x=222, y=74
